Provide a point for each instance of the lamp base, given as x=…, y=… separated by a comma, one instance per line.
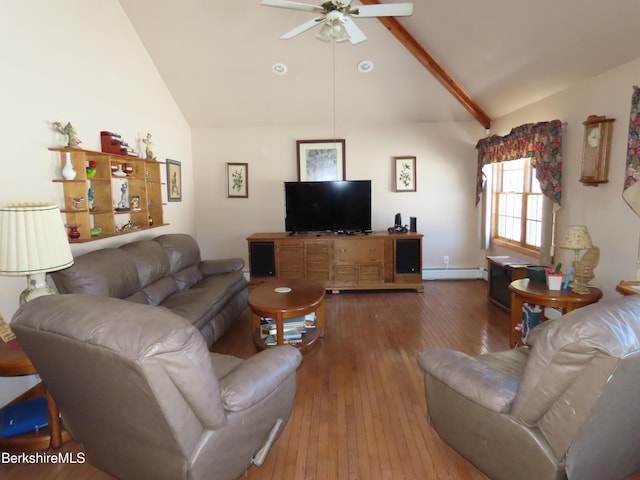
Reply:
x=580, y=289
x=37, y=287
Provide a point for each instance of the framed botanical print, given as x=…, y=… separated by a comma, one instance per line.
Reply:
x=174, y=181
x=321, y=160
x=238, y=180
x=404, y=174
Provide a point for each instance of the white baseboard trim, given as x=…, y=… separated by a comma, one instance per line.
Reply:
x=453, y=273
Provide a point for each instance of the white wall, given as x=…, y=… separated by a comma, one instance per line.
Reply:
x=612, y=224
x=78, y=61
x=443, y=203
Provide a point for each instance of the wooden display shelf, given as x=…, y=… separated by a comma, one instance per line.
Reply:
x=143, y=181
x=117, y=234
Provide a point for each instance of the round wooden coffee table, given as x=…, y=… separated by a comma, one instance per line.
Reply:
x=283, y=299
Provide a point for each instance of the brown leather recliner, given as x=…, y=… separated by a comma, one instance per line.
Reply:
x=566, y=405
x=137, y=387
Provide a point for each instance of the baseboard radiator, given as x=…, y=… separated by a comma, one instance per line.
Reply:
x=477, y=273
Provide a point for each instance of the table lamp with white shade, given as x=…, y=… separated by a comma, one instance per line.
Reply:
x=33, y=241
x=577, y=238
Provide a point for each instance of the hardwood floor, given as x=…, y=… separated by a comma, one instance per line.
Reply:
x=360, y=410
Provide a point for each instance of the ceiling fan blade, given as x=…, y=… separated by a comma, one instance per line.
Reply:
x=382, y=10
x=293, y=5
x=355, y=34
x=302, y=28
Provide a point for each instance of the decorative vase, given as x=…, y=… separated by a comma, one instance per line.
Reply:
x=74, y=234
x=119, y=171
x=68, y=171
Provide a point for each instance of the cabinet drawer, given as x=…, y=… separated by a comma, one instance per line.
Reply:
x=365, y=250
x=345, y=274
x=370, y=273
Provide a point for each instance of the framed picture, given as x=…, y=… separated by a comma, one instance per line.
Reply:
x=320, y=160
x=238, y=180
x=404, y=174
x=174, y=181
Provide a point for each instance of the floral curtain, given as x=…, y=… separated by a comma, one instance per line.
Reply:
x=542, y=142
x=631, y=190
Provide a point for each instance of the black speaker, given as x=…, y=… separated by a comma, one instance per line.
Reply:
x=413, y=224
x=398, y=219
x=408, y=256
x=262, y=259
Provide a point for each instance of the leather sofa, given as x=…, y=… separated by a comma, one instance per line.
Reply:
x=138, y=389
x=565, y=405
x=166, y=272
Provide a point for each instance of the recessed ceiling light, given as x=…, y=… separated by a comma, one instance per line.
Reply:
x=279, y=68
x=365, y=66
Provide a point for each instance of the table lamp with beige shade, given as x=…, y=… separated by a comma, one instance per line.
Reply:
x=33, y=241
x=577, y=238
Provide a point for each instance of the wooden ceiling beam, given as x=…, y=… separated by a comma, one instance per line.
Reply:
x=410, y=43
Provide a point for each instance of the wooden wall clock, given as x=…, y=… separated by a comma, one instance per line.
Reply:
x=595, y=150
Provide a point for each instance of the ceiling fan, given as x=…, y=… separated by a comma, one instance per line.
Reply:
x=335, y=17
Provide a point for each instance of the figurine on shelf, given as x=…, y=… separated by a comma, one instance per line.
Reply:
x=69, y=131
x=135, y=203
x=127, y=227
x=148, y=151
x=78, y=203
x=122, y=204
x=92, y=195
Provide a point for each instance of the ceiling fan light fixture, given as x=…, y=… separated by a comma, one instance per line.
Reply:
x=325, y=33
x=336, y=17
x=339, y=33
x=333, y=30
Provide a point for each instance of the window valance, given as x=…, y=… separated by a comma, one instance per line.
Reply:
x=542, y=142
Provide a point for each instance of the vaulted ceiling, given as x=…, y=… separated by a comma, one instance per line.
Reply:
x=216, y=57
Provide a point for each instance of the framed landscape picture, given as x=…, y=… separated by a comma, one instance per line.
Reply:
x=238, y=180
x=321, y=160
x=174, y=181
x=404, y=169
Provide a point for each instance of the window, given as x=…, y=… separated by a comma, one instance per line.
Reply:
x=517, y=206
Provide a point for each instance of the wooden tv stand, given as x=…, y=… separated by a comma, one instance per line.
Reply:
x=377, y=260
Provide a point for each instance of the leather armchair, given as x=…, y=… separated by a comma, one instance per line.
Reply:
x=563, y=406
x=137, y=387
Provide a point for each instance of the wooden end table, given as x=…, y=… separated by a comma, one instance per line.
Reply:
x=282, y=299
x=628, y=287
x=537, y=293
x=14, y=362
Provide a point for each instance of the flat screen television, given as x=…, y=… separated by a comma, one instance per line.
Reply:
x=338, y=206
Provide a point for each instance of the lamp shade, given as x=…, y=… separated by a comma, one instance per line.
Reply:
x=33, y=239
x=576, y=238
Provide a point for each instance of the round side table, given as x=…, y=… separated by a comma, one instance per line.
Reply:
x=537, y=293
x=14, y=362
